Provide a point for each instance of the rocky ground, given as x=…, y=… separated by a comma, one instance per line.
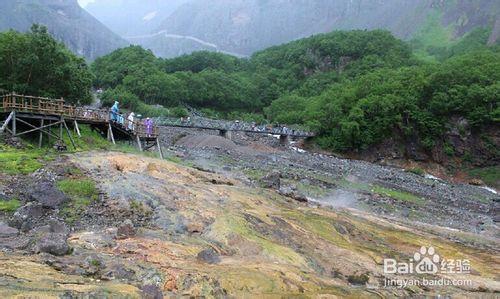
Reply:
x=387, y=191
x=244, y=218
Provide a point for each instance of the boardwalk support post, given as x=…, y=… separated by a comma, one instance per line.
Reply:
x=14, y=120
x=159, y=148
x=225, y=133
x=69, y=134
x=61, y=129
x=283, y=139
x=38, y=128
x=6, y=124
x=110, y=134
x=139, y=142
x=77, y=129
x=40, y=138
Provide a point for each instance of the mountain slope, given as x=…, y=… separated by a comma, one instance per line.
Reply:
x=132, y=17
x=66, y=21
x=245, y=26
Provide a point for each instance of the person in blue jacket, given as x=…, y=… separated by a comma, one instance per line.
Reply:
x=114, y=112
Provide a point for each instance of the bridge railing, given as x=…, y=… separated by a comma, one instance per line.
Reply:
x=57, y=107
x=198, y=122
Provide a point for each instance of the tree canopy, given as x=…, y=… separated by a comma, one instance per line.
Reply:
x=34, y=63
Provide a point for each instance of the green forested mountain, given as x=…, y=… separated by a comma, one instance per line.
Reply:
x=355, y=88
x=226, y=83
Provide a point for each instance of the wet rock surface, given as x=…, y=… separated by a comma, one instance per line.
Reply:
x=387, y=191
x=204, y=226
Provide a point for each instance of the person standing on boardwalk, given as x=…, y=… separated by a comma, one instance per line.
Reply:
x=130, y=120
x=148, y=123
x=114, y=111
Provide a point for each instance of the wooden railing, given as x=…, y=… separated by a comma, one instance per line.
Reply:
x=57, y=107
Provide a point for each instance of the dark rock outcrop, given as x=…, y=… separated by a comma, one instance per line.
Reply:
x=209, y=256
x=126, y=230
x=53, y=243
x=28, y=216
x=271, y=180
x=47, y=195
x=7, y=231
x=151, y=292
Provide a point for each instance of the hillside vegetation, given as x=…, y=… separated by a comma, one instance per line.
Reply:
x=354, y=88
x=34, y=63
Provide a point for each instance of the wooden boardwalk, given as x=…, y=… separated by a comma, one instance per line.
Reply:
x=28, y=114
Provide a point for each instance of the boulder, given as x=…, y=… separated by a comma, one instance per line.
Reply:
x=56, y=226
x=27, y=216
x=271, y=180
x=151, y=292
x=126, y=230
x=209, y=256
x=46, y=194
x=53, y=243
x=118, y=271
x=194, y=227
x=292, y=193
x=7, y=231
x=93, y=265
x=476, y=182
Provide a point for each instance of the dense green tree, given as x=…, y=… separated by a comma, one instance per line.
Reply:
x=199, y=61
x=110, y=70
x=34, y=63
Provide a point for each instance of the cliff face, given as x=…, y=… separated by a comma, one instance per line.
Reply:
x=132, y=17
x=245, y=26
x=66, y=21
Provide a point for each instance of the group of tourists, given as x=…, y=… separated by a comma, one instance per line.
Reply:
x=131, y=122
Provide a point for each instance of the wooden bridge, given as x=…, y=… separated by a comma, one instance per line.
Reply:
x=28, y=114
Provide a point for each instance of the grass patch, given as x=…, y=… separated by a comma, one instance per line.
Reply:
x=417, y=170
x=489, y=175
x=394, y=194
x=78, y=188
x=398, y=195
x=354, y=185
x=90, y=140
x=254, y=174
x=311, y=189
x=25, y=161
x=82, y=193
x=174, y=159
x=9, y=206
